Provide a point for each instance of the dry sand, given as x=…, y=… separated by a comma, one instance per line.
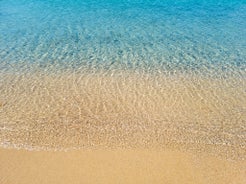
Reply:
x=117, y=166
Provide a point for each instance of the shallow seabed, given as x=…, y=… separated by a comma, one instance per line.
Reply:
x=66, y=110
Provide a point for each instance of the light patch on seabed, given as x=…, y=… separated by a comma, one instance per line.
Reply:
x=122, y=108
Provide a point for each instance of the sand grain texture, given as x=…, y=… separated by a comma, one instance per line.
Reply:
x=117, y=166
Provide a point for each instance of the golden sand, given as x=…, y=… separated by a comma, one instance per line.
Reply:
x=117, y=166
x=122, y=127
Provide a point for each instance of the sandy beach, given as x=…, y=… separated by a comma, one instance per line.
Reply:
x=178, y=130
x=120, y=92
x=117, y=166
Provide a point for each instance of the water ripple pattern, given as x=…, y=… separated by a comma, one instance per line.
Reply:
x=85, y=73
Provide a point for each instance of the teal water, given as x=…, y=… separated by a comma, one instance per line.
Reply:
x=182, y=35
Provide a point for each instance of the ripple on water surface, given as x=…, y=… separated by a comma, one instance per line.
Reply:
x=77, y=74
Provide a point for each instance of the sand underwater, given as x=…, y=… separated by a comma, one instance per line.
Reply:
x=122, y=92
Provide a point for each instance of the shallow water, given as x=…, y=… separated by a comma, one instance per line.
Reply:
x=77, y=74
x=166, y=34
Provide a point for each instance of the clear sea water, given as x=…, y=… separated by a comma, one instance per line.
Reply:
x=164, y=34
x=87, y=73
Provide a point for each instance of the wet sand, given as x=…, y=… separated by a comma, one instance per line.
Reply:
x=117, y=166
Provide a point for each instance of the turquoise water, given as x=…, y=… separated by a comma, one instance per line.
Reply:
x=194, y=35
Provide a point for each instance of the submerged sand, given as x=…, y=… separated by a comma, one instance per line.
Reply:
x=123, y=109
